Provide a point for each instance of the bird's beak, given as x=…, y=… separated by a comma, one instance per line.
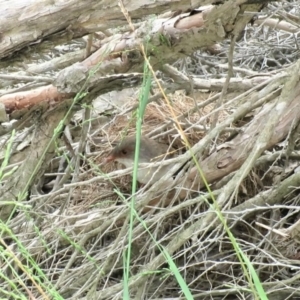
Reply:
x=109, y=158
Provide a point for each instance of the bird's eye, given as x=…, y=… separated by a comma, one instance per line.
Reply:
x=124, y=152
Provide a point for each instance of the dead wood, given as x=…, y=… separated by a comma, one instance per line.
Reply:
x=40, y=152
x=89, y=16
x=111, y=55
x=69, y=212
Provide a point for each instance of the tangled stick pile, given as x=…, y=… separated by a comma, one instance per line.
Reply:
x=76, y=223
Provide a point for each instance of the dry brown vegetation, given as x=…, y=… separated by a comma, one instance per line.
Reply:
x=73, y=219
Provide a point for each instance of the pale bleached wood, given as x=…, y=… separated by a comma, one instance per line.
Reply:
x=26, y=22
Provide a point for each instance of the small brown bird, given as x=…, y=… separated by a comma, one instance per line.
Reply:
x=150, y=151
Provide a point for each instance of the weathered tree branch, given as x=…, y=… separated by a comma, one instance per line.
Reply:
x=167, y=40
